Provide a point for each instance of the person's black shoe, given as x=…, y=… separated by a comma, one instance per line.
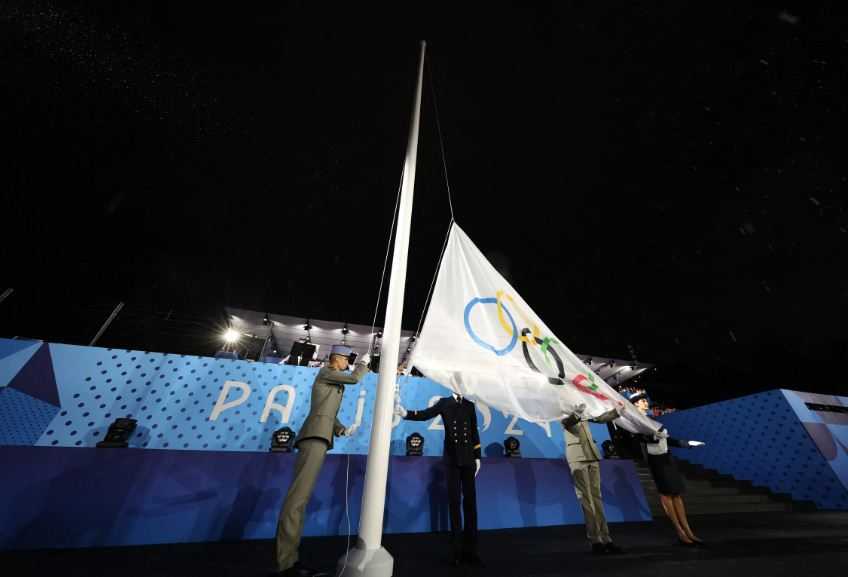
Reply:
x=598, y=549
x=612, y=549
x=301, y=570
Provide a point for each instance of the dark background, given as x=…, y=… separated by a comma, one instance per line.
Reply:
x=661, y=181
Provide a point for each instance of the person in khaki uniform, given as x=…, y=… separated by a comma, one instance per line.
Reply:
x=583, y=460
x=313, y=442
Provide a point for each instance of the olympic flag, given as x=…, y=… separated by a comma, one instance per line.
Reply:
x=482, y=340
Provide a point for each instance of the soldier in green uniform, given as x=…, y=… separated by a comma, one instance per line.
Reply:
x=313, y=442
x=584, y=461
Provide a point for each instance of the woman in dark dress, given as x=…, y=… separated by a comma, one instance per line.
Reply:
x=665, y=474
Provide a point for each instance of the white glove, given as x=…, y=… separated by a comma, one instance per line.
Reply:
x=365, y=359
x=661, y=434
x=399, y=410
x=696, y=443
x=349, y=431
x=578, y=410
x=477, y=462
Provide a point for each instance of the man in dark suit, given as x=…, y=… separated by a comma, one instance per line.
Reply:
x=462, y=461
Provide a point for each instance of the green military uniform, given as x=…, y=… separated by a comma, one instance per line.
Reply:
x=583, y=460
x=313, y=442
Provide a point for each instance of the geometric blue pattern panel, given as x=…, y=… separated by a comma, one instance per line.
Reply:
x=759, y=438
x=14, y=354
x=184, y=402
x=23, y=418
x=65, y=497
x=825, y=417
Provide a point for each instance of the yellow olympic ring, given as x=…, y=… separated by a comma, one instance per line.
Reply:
x=507, y=326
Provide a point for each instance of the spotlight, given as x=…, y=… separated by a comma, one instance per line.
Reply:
x=380, y=334
x=231, y=336
x=282, y=440
x=345, y=330
x=414, y=445
x=307, y=326
x=512, y=448
x=118, y=435
x=265, y=320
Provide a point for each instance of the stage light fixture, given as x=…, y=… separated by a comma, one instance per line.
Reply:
x=414, y=445
x=282, y=440
x=231, y=336
x=512, y=448
x=117, y=437
x=265, y=320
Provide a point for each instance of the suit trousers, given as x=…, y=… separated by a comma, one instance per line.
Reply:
x=461, y=481
x=310, y=458
x=587, y=485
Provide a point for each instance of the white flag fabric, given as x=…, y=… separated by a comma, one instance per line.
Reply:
x=482, y=340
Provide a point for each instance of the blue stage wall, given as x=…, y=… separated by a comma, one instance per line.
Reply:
x=53, y=497
x=773, y=440
x=58, y=395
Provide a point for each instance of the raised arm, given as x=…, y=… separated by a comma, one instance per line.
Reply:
x=343, y=377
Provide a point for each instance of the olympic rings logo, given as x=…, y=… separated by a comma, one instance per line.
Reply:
x=529, y=336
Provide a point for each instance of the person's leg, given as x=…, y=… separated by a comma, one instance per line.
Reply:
x=310, y=458
x=680, y=509
x=668, y=506
x=580, y=476
x=469, y=511
x=601, y=529
x=454, y=489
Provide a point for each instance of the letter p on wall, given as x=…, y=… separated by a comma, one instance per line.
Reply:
x=222, y=404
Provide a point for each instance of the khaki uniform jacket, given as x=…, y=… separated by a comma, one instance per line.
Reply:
x=579, y=444
x=327, y=391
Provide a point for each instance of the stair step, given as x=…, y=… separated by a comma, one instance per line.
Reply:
x=694, y=494
x=720, y=509
x=692, y=501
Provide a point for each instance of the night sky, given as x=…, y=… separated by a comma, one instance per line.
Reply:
x=660, y=181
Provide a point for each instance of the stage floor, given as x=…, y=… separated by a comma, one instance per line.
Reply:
x=744, y=545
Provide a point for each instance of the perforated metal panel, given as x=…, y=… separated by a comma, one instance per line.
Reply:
x=173, y=398
x=23, y=417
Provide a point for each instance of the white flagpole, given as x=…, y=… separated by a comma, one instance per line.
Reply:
x=369, y=558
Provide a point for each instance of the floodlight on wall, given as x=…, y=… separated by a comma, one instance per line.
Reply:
x=282, y=440
x=512, y=447
x=231, y=336
x=414, y=445
x=117, y=437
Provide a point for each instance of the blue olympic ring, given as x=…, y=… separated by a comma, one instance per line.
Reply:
x=481, y=342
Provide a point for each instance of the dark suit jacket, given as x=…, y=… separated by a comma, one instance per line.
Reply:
x=462, y=439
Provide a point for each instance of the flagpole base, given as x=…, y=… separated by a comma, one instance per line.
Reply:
x=362, y=562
